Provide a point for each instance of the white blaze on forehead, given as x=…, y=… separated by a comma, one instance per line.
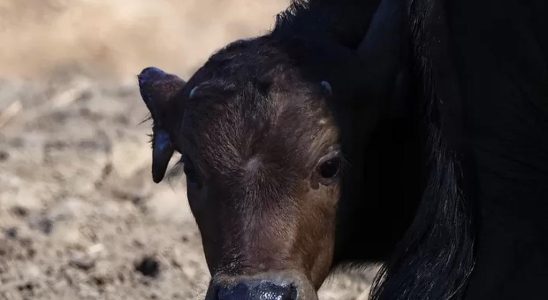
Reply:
x=322, y=121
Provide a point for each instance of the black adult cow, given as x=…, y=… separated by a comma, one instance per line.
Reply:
x=304, y=149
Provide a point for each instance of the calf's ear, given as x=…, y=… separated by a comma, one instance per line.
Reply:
x=158, y=90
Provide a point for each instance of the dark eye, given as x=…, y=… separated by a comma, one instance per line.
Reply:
x=330, y=168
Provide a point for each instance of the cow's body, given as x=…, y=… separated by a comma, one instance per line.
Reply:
x=485, y=73
x=445, y=102
x=500, y=53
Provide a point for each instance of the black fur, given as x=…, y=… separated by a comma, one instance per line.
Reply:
x=449, y=157
x=381, y=127
x=342, y=21
x=479, y=231
x=436, y=256
x=473, y=138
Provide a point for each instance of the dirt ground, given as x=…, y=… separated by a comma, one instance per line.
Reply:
x=79, y=215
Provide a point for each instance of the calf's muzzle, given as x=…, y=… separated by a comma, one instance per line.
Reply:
x=260, y=287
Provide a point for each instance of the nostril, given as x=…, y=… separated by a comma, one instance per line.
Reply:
x=261, y=290
x=270, y=291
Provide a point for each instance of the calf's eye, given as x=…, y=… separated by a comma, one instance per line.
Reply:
x=330, y=168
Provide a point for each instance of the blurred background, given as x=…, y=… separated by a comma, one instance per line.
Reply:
x=79, y=215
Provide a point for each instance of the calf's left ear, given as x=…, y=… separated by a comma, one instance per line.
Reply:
x=158, y=90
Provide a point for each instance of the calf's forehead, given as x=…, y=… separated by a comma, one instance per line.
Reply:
x=287, y=125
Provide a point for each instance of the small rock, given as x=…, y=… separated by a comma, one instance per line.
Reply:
x=4, y=155
x=45, y=225
x=148, y=266
x=83, y=262
x=11, y=232
x=29, y=286
x=99, y=280
x=96, y=250
x=20, y=211
x=41, y=223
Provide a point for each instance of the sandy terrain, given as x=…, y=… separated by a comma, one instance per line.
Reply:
x=79, y=215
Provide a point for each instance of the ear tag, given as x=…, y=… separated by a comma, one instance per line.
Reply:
x=162, y=150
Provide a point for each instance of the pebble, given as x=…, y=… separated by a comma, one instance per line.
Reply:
x=4, y=155
x=148, y=266
x=83, y=262
x=20, y=211
x=11, y=232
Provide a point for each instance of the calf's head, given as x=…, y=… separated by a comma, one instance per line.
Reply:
x=261, y=149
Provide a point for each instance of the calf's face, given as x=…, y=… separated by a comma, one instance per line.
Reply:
x=263, y=164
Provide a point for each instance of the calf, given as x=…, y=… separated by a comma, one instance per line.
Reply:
x=295, y=161
x=304, y=149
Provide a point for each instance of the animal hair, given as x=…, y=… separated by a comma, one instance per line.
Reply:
x=436, y=256
x=342, y=21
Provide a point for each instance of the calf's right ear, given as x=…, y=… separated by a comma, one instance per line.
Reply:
x=158, y=89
